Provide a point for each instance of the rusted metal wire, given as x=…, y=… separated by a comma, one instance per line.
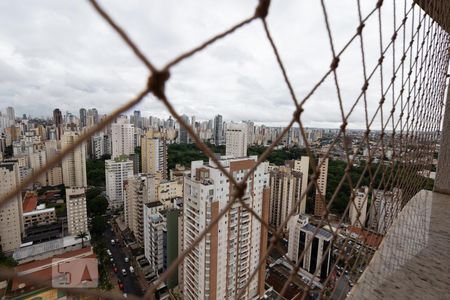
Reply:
x=410, y=126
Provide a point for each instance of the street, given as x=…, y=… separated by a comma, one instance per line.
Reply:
x=342, y=288
x=130, y=282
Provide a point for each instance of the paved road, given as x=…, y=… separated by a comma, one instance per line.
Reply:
x=342, y=288
x=130, y=282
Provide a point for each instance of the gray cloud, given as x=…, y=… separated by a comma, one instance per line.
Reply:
x=62, y=54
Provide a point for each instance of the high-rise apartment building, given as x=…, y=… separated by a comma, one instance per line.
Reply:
x=317, y=258
x=161, y=241
x=138, y=191
x=358, y=209
x=250, y=131
x=218, y=130
x=83, y=118
x=321, y=188
x=122, y=138
x=236, y=139
x=285, y=194
x=11, y=223
x=74, y=164
x=384, y=209
x=54, y=176
x=10, y=116
x=224, y=260
x=154, y=153
x=117, y=170
x=184, y=136
x=97, y=146
x=137, y=119
x=301, y=165
x=38, y=159
x=58, y=122
x=57, y=117
x=77, y=221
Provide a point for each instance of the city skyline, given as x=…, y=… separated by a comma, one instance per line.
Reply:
x=42, y=75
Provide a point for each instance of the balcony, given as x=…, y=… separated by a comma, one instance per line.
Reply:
x=414, y=255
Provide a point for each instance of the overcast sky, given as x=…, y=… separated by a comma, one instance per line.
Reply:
x=62, y=54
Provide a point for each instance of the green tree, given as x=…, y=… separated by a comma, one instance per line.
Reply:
x=7, y=261
x=97, y=206
x=98, y=225
x=93, y=192
x=82, y=235
x=95, y=171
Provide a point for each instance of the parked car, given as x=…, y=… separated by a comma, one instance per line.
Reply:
x=131, y=269
x=127, y=259
x=124, y=272
x=119, y=282
x=109, y=252
x=113, y=242
x=111, y=260
x=115, y=269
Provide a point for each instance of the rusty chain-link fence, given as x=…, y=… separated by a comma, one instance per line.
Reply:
x=409, y=79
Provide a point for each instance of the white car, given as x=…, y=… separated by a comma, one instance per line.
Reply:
x=127, y=259
x=124, y=272
x=131, y=269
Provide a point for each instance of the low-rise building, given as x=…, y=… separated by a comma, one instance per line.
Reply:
x=305, y=237
x=39, y=216
x=44, y=270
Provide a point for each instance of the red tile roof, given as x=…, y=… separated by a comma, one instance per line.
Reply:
x=369, y=238
x=29, y=202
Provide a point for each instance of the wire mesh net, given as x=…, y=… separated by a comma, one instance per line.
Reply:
x=401, y=96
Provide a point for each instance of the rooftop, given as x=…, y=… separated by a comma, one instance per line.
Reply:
x=29, y=202
x=321, y=233
x=42, y=248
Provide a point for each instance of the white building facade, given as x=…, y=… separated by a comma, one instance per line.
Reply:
x=224, y=260
x=236, y=139
x=116, y=172
x=122, y=138
x=358, y=209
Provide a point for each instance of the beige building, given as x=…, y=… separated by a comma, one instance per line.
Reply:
x=236, y=139
x=146, y=189
x=285, y=194
x=11, y=224
x=139, y=190
x=54, y=176
x=301, y=165
x=225, y=259
x=170, y=189
x=154, y=153
x=38, y=159
x=39, y=216
x=76, y=210
x=321, y=188
x=74, y=164
x=358, y=209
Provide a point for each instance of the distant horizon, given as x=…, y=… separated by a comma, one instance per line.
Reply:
x=165, y=117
